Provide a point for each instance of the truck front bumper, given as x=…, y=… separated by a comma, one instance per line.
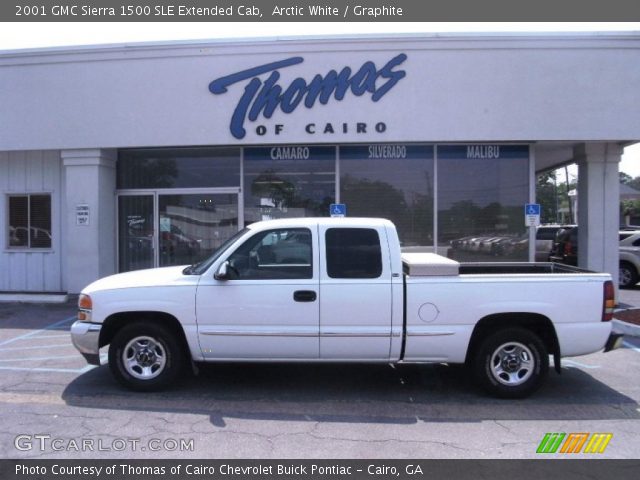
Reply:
x=85, y=336
x=614, y=341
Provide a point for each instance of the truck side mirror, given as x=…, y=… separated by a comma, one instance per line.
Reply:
x=223, y=272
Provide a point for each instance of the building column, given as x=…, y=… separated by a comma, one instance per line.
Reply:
x=89, y=216
x=598, y=206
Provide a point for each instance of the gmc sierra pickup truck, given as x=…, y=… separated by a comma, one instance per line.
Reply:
x=341, y=290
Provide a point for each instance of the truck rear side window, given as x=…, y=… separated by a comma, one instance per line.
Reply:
x=353, y=253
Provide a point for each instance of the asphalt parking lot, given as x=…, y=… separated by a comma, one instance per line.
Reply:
x=629, y=297
x=55, y=406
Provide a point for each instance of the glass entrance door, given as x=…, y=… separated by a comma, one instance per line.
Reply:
x=135, y=232
x=192, y=226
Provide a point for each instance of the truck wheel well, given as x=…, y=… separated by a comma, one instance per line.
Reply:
x=631, y=265
x=115, y=322
x=536, y=323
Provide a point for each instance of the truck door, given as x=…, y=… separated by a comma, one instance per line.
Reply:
x=268, y=307
x=355, y=294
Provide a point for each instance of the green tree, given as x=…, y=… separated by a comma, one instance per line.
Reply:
x=460, y=220
x=629, y=209
x=366, y=198
x=547, y=197
x=635, y=183
x=625, y=178
x=270, y=185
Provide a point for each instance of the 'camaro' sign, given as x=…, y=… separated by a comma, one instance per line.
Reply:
x=264, y=97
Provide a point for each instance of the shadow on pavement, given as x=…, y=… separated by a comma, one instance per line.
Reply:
x=403, y=394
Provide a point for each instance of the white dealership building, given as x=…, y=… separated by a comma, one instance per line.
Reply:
x=120, y=157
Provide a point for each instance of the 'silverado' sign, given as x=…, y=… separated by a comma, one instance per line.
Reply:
x=264, y=97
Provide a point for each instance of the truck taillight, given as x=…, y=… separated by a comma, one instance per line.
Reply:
x=609, y=301
x=568, y=248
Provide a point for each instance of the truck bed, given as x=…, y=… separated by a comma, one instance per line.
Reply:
x=518, y=267
x=431, y=264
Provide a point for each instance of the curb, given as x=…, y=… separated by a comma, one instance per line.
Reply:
x=629, y=329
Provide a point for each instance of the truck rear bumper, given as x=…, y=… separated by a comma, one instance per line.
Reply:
x=85, y=337
x=614, y=341
x=582, y=338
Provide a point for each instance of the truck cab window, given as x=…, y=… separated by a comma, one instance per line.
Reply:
x=353, y=253
x=274, y=255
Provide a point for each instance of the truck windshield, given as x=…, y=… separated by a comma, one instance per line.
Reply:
x=201, y=267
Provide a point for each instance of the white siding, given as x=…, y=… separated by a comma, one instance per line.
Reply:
x=31, y=172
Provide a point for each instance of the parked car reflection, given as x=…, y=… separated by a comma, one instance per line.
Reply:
x=488, y=247
x=177, y=248
x=33, y=237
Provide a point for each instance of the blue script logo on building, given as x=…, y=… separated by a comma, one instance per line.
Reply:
x=264, y=97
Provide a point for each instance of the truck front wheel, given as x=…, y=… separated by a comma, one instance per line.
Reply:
x=511, y=363
x=628, y=276
x=144, y=356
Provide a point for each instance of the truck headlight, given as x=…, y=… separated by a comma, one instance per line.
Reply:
x=85, y=305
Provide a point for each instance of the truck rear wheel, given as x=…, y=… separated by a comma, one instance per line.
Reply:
x=144, y=356
x=511, y=363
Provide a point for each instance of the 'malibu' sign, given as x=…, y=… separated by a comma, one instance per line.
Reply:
x=264, y=97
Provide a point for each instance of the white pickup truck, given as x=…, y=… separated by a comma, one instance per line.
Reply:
x=340, y=290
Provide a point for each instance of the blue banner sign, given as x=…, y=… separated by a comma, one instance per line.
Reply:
x=482, y=151
x=290, y=152
x=391, y=151
x=264, y=97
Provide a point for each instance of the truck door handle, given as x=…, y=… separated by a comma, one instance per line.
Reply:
x=304, y=296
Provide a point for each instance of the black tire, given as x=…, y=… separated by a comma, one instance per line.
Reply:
x=524, y=366
x=162, y=356
x=628, y=275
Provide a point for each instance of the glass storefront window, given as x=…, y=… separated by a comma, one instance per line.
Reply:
x=482, y=190
x=178, y=168
x=193, y=226
x=288, y=181
x=30, y=221
x=393, y=182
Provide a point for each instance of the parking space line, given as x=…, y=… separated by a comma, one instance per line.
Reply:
x=65, y=335
x=573, y=363
x=36, y=332
x=45, y=369
x=630, y=346
x=36, y=358
x=41, y=347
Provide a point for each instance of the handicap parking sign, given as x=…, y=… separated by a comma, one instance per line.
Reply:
x=532, y=214
x=338, y=210
x=532, y=209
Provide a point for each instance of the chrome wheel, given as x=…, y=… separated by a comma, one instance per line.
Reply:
x=144, y=358
x=512, y=364
x=625, y=276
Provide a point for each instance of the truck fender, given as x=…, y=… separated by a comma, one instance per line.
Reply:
x=539, y=324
